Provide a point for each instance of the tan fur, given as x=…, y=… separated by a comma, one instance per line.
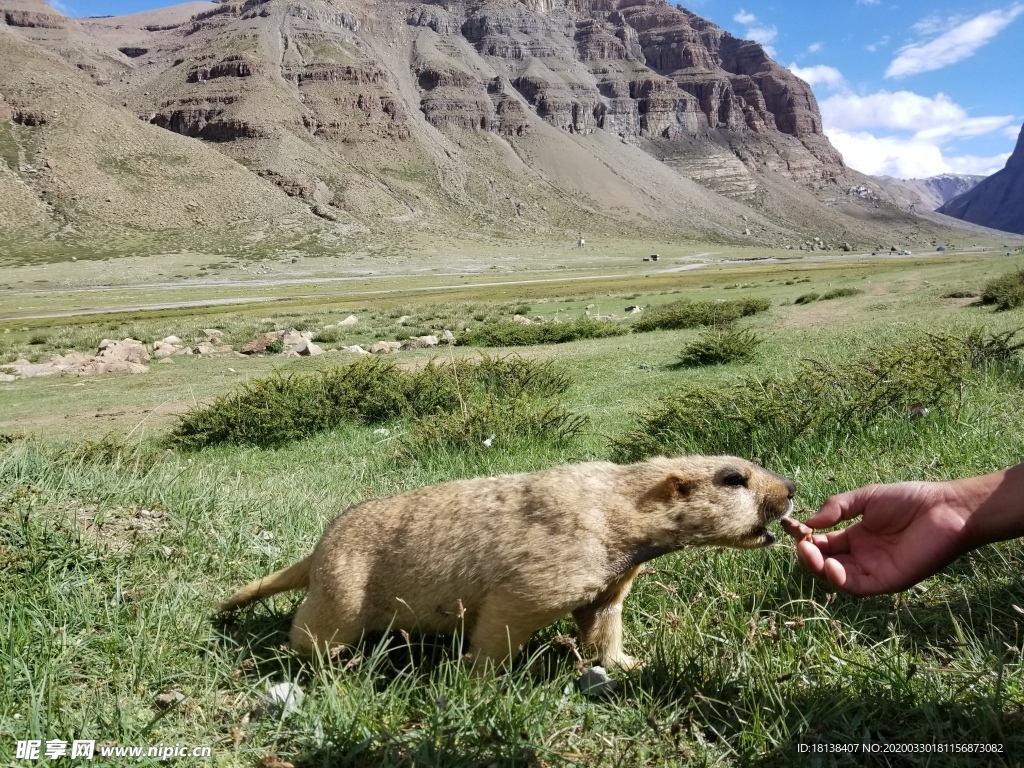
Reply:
x=505, y=556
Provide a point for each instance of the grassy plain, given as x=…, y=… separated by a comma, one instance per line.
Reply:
x=113, y=548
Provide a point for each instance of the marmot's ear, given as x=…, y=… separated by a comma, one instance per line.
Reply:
x=672, y=487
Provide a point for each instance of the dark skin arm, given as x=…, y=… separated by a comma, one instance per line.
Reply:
x=909, y=531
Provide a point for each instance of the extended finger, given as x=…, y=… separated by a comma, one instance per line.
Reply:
x=843, y=506
x=810, y=557
x=835, y=573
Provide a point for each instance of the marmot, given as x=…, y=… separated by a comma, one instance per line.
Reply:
x=506, y=556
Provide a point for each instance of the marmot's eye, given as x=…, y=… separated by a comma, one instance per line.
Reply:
x=732, y=477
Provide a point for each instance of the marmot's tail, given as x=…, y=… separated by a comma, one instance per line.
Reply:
x=293, y=577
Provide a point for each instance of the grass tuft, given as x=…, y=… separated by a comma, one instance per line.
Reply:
x=279, y=409
x=1006, y=291
x=720, y=346
x=505, y=333
x=772, y=418
x=692, y=314
x=840, y=293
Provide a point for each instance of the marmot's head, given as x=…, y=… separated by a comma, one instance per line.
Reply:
x=715, y=500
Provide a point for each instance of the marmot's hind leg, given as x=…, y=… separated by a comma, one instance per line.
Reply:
x=317, y=629
x=502, y=628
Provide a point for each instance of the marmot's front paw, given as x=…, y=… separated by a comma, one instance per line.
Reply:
x=624, y=662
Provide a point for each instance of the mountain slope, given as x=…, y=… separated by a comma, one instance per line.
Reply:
x=931, y=193
x=998, y=201
x=327, y=121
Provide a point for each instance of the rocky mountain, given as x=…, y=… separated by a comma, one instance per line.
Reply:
x=930, y=193
x=315, y=122
x=998, y=201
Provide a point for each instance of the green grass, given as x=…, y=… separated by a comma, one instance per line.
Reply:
x=113, y=551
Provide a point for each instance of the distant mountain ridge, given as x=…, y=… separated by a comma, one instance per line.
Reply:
x=319, y=122
x=998, y=201
x=933, y=192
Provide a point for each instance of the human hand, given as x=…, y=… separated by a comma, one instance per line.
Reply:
x=907, y=532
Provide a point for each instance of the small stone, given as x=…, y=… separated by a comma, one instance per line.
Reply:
x=169, y=699
x=282, y=699
x=350, y=320
x=595, y=682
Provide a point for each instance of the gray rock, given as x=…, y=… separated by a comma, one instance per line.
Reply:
x=595, y=682
x=281, y=700
x=350, y=320
x=169, y=699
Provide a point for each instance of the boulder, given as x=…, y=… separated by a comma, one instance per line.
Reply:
x=385, y=347
x=213, y=335
x=205, y=348
x=261, y=345
x=129, y=350
x=355, y=349
x=522, y=320
x=308, y=349
x=162, y=349
x=447, y=337
x=350, y=320
x=172, y=340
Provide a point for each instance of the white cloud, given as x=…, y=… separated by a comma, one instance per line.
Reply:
x=906, y=158
x=906, y=111
x=879, y=44
x=960, y=40
x=819, y=74
x=901, y=133
x=1013, y=132
x=815, y=47
x=762, y=33
x=869, y=2
x=67, y=10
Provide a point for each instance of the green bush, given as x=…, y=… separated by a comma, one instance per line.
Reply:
x=279, y=409
x=692, y=314
x=807, y=298
x=331, y=335
x=841, y=293
x=493, y=424
x=506, y=333
x=773, y=417
x=718, y=346
x=1006, y=291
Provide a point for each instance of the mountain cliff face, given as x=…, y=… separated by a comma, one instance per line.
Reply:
x=353, y=118
x=998, y=201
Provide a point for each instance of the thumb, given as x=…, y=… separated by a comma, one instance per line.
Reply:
x=843, y=506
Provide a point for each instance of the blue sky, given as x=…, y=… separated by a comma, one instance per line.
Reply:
x=907, y=88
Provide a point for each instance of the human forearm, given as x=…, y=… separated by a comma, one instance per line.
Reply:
x=994, y=505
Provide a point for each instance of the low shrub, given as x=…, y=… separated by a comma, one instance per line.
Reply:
x=506, y=333
x=959, y=295
x=772, y=417
x=330, y=335
x=841, y=293
x=807, y=298
x=719, y=346
x=279, y=409
x=493, y=424
x=693, y=314
x=1006, y=291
